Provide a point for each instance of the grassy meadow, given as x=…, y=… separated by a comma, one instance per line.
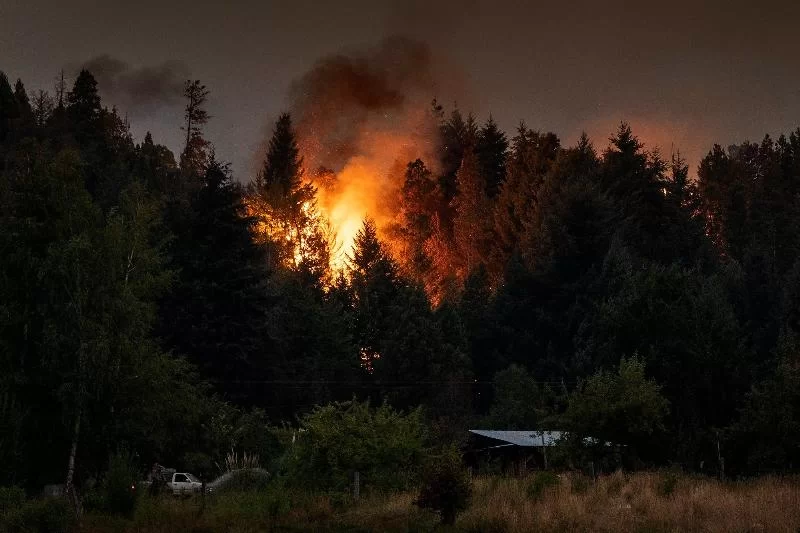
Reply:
x=642, y=502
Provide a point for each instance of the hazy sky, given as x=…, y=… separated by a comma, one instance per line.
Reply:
x=683, y=74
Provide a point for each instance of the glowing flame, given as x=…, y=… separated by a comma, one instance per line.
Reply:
x=353, y=196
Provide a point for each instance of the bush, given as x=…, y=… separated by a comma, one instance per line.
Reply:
x=540, y=483
x=383, y=445
x=120, y=484
x=579, y=484
x=52, y=515
x=667, y=484
x=446, y=486
x=10, y=498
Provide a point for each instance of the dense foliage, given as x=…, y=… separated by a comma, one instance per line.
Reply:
x=166, y=309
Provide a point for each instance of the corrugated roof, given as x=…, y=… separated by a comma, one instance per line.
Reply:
x=532, y=438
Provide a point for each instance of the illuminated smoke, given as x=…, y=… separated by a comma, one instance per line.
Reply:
x=361, y=117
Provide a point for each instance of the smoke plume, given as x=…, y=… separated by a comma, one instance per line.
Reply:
x=347, y=102
x=138, y=90
x=362, y=116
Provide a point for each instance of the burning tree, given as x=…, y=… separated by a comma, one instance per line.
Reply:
x=287, y=221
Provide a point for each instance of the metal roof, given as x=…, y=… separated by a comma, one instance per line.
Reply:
x=532, y=438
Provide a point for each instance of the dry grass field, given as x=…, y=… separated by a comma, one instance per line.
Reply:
x=640, y=502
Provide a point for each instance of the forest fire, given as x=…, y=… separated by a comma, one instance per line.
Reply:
x=362, y=189
x=360, y=118
x=345, y=203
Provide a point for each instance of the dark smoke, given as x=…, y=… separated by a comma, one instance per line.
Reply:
x=345, y=97
x=138, y=90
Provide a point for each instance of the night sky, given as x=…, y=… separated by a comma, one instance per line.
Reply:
x=684, y=76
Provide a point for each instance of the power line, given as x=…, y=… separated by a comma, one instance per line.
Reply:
x=373, y=383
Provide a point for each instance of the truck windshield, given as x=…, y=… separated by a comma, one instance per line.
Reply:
x=192, y=478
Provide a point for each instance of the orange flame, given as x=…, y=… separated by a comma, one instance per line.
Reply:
x=354, y=196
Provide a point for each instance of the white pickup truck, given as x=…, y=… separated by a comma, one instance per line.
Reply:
x=184, y=483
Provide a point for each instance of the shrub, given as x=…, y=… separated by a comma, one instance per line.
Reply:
x=51, y=515
x=120, y=484
x=540, y=483
x=667, y=484
x=579, y=484
x=383, y=445
x=446, y=486
x=10, y=498
x=616, y=482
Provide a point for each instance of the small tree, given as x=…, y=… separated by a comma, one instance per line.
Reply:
x=120, y=484
x=519, y=401
x=446, y=486
x=622, y=407
x=385, y=446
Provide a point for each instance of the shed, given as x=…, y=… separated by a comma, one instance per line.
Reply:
x=516, y=451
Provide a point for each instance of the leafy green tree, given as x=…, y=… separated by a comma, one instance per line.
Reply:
x=682, y=322
x=520, y=403
x=446, y=486
x=383, y=445
x=769, y=427
x=621, y=407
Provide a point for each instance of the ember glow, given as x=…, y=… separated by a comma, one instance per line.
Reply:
x=363, y=117
x=359, y=190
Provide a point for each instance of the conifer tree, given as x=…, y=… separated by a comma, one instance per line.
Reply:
x=491, y=150
x=215, y=314
x=9, y=108
x=472, y=229
x=83, y=108
x=288, y=222
x=195, y=152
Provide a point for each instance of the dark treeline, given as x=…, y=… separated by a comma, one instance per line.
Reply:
x=159, y=306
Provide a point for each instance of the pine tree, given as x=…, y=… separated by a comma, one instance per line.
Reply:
x=491, y=150
x=195, y=152
x=83, y=108
x=472, y=228
x=375, y=281
x=215, y=314
x=530, y=159
x=9, y=108
x=283, y=166
x=288, y=222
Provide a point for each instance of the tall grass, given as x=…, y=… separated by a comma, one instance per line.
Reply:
x=641, y=502
x=638, y=502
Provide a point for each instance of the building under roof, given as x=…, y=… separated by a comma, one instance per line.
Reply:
x=526, y=439
x=516, y=451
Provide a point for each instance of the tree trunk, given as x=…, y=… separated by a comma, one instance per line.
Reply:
x=69, y=489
